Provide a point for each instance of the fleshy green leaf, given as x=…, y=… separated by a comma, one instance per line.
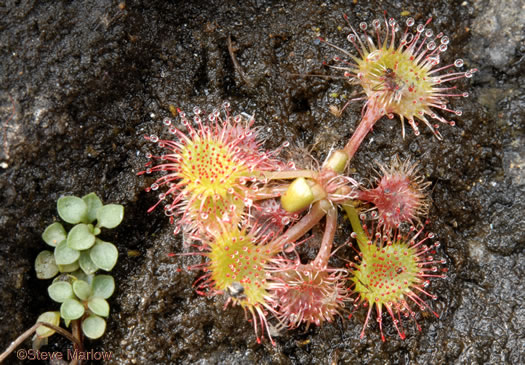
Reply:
x=48, y=317
x=71, y=309
x=54, y=234
x=68, y=268
x=45, y=265
x=82, y=289
x=64, y=255
x=86, y=264
x=93, y=327
x=103, y=286
x=72, y=209
x=65, y=277
x=110, y=216
x=99, y=306
x=60, y=291
x=104, y=255
x=80, y=275
x=38, y=342
x=80, y=237
x=93, y=203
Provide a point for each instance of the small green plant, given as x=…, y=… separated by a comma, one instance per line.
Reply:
x=73, y=264
x=77, y=256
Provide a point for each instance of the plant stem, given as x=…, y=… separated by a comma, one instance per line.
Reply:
x=30, y=331
x=77, y=334
x=299, y=229
x=291, y=174
x=361, y=238
x=270, y=192
x=321, y=260
x=372, y=114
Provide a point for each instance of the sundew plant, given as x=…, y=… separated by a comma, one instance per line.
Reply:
x=247, y=212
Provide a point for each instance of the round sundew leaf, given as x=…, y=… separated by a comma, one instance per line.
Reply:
x=45, y=265
x=71, y=309
x=60, y=291
x=69, y=268
x=93, y=327
x=64, y=255
x=99, y=306
x=72, y=209
x=80, y=237
x=47, y=317
x=86, y=264
x=82, y=289
x=103, y=286
x=104, y=255
x=93, y=203
x=110, y=216
x=54, y=234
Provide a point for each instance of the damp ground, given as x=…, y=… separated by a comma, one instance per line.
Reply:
x=83, y=82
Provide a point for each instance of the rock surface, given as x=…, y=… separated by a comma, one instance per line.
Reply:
x=82, y=82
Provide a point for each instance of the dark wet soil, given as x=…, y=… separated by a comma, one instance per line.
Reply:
x=82, y=82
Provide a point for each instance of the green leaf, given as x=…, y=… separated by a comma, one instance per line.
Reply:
x=38, y=342
x=60, y=291
x=93, y=203
x=68, y=268
x=45, y=265
x=93, y=327
x=64, y=255
x=80, y=237
x=110, y=215
x=86, y=264
x=80, y=275
x=99, y=306
x=104, y=255
x=103, y=286
x=71, y=309
x=47, y=317
x=82, y=289
x=63, y=277
x=54, y=234
x=72, y=209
